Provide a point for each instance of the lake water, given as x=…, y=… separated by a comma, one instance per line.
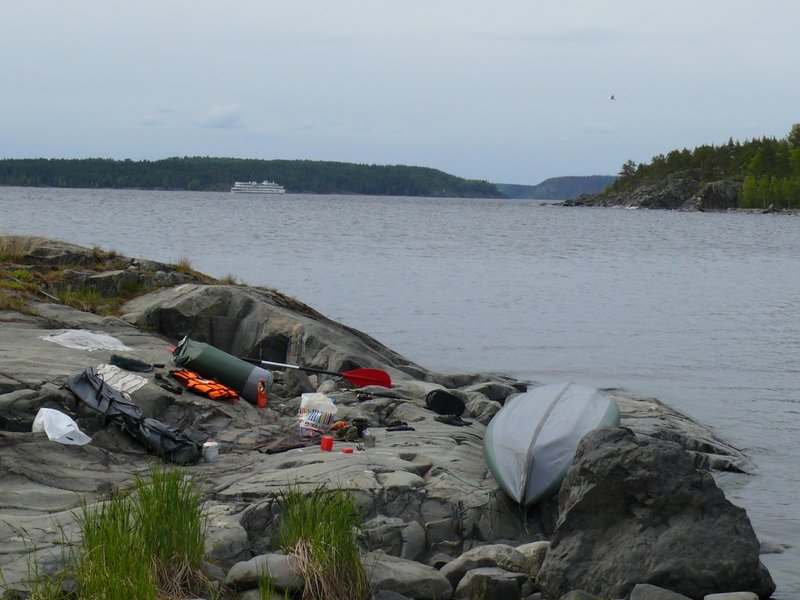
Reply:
x=701, y=310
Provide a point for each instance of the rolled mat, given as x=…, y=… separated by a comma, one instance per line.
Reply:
x=213, y=363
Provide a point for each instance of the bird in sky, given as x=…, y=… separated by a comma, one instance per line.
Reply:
x=611, y=97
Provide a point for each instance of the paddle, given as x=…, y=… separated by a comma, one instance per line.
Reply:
x=358, y=377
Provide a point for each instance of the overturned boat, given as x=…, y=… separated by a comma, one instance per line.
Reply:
x=530, y=443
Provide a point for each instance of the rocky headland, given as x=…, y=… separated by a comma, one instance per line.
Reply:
x=639, y=515
x=682, y=190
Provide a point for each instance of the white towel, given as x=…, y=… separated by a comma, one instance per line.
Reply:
x=122, y=381
x=82, y=339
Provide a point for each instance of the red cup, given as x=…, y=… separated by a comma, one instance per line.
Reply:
x=326, y=443
x=347, y=450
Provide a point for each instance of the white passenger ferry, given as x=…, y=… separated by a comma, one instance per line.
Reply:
x=254, y=187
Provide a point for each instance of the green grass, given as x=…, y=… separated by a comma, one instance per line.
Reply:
x=21, y=274
x=146, y=542
x=87, y=299
x=320, y=529
x=113, y=562
x=171, y=525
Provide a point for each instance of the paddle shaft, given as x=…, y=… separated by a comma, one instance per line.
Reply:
x=390, y=396
x=358, y=377
x=287, y=366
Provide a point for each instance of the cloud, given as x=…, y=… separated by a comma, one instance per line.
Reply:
x=223, y=116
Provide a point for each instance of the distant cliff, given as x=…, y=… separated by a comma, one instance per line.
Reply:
x=218, y=174
x=558, y=188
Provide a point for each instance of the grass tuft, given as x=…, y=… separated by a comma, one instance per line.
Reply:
x=320, y=529
x=87, y=299
x=14, y=302
x=171, y=524
x=113, y=563
x=146, y=542
x=229, y=279
x=184, y=265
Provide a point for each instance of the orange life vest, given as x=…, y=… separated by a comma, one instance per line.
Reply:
x=204, y=387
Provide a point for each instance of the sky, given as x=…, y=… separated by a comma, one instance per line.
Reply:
x=505, y=91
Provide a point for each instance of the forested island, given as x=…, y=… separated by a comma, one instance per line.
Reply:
x=558, y=188
x=755, y=174
x=218, y=174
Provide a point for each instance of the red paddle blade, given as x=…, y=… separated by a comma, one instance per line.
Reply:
x=364, y=377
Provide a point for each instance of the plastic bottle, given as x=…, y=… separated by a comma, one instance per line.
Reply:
x=262, y=393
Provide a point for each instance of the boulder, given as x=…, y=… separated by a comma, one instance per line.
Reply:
x=283, y=571
x=395, y=537
x=634, y=509
x=406, y=577
x=651, y=417
x=488, y=583
x=501, y=556
x=535, y=553
x=645, y=591
x=46, y=251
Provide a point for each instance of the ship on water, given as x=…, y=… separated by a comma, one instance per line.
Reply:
x=255, y=187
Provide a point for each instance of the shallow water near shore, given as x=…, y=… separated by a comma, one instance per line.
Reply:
x=701, y=310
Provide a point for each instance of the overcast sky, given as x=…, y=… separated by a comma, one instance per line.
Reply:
x=507, y=91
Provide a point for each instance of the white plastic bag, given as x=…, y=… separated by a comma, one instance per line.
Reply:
x=316, y=413
x=59, y=427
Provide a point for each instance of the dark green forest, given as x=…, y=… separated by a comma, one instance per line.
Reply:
x=218, y=174
x=768, y=168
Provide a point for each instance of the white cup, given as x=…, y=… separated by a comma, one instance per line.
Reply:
x=210, y=451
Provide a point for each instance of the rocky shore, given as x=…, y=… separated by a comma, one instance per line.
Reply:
x=639, y=515
x=683, y=190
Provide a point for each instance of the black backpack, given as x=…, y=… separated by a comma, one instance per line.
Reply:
x=157, y=437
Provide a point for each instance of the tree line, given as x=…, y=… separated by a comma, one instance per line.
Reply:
x=218, y=174
x=768, y=168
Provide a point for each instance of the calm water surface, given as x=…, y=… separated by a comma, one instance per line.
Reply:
x=699, y=310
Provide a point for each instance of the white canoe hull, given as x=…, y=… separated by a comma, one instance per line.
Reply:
x=530, y=443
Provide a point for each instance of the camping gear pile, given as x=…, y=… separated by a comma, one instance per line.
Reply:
x=528, y=445
x=201, y=369
x=105, y=389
